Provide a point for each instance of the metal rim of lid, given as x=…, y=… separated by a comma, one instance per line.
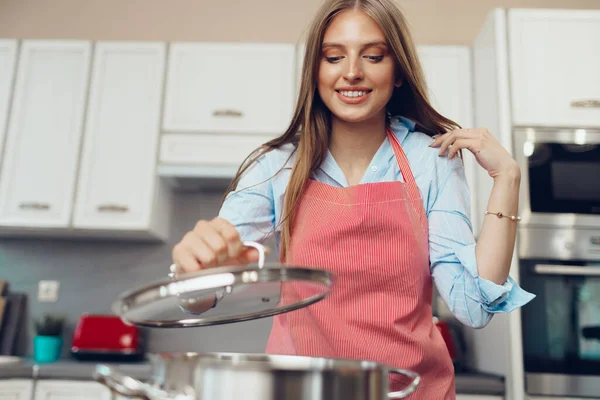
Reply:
x=220, y=278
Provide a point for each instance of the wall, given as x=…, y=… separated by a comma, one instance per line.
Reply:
x=432, y=21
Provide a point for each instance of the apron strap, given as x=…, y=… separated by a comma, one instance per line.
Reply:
x=409, y=179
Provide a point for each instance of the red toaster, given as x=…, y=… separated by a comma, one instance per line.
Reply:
x=106, y=338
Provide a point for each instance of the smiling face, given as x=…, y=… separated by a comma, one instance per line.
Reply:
x=357, y=71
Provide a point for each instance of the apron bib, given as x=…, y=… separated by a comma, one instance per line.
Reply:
x=374, y=238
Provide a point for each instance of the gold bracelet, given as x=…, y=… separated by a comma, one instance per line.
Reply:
x=500, y=215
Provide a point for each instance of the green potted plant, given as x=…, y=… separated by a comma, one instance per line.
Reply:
x=48, y=341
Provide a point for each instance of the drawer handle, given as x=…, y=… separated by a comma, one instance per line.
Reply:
x=570, y=270
x=228, y=113
x=585, y=104
x=35, y=206
x=113, y=208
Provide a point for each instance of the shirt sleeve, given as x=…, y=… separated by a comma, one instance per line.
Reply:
x=472, y=299
x=250, y=207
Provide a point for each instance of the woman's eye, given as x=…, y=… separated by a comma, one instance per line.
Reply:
x=375, y=58
x=333, y=60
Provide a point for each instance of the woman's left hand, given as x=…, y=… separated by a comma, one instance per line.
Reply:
x=487, y=150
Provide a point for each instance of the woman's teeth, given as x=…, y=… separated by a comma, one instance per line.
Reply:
x=353, y=93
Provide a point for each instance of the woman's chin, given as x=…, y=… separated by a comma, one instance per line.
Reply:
x=353, y=116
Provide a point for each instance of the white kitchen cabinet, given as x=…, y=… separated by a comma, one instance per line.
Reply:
x=16, y=389
x=477, y=397
x=71, y=390
x=118, y=190
x=555, y=64
x=229, y=88
x=42, y=147
x=448, y=75
x=8, y=58
x=210, y=157
x=300, y=50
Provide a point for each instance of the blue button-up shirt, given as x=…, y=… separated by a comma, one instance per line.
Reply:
x=256, y=206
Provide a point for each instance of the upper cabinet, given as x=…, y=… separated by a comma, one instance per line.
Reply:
x=8, y=58
x=45, y=126
x=448, y=76
x=118, y=186
x=223, y=101
x=219, y=88
x=555, y=67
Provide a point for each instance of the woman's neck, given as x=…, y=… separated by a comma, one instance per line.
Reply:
x=353, y=145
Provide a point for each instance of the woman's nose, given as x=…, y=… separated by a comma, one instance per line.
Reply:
x=354, y=71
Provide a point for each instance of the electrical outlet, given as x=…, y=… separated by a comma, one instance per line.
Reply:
x=48, y=291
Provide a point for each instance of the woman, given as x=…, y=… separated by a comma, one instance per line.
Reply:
x=357, y=186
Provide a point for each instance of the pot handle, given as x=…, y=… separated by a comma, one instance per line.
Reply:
x=416, y=378
x=128, y=386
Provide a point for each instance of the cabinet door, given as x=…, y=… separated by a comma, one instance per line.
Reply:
x=71, y=390
x=448, y=75
x=16, y=389
x=118, y=166
x=555, y=59
x=42, y=147
x=8, y=57
x=221, y=88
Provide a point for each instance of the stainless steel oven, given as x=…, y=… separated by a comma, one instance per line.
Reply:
x=559, y=259
x=561, y=327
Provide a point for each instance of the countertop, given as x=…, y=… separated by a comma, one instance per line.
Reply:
x=466, y=383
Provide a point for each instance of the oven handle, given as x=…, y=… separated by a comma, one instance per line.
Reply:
x=551, y=269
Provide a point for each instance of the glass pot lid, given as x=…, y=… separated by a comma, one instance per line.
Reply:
x=223, y=295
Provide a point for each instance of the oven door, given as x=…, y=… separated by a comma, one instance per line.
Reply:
x=560, y=177
x=561, y=327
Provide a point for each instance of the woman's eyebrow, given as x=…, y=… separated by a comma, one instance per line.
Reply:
x=368, y=44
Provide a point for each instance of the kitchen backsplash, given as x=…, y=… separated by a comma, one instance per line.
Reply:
x=93, y=273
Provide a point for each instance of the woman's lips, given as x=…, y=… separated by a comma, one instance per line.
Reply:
x=353, y=96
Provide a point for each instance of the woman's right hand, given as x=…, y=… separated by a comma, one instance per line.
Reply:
x=212, y=244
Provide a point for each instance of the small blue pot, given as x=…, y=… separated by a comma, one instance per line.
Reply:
x=46, y=349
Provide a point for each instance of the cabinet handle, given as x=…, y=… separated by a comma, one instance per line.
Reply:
x=228, y=113
x=113, y=208
x=571, y=270
x=585, y=104
x=35, y=206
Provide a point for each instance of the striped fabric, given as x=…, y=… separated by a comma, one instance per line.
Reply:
x=256, y=207
x=373, y=237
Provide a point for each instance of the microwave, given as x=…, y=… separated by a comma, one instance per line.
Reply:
x=560, y=192
x=560, y=176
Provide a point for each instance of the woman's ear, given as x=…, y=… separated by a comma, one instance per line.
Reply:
x=399, y=82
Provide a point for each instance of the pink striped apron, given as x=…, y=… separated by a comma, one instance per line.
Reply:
x=373, y=237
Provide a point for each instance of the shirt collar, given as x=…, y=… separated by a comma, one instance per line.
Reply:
x=400, y=126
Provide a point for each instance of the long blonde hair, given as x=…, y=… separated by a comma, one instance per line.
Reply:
x=310, y=125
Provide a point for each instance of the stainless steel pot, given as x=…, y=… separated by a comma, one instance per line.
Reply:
x=228, y=376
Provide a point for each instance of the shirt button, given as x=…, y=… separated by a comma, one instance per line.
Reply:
x=374, y=168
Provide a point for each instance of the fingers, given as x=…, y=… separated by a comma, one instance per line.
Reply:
x=250, y=255
x=458, y=145
x=193, y=254
x=210, y=244
x=230, y=236
x=216, y=243
x=452, y=142
x=447, y=142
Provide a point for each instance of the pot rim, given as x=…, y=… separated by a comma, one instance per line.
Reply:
x=270, y=362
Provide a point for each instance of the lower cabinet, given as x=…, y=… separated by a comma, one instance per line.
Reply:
x=71, y=390
x=16, y=389
x=478, y=397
